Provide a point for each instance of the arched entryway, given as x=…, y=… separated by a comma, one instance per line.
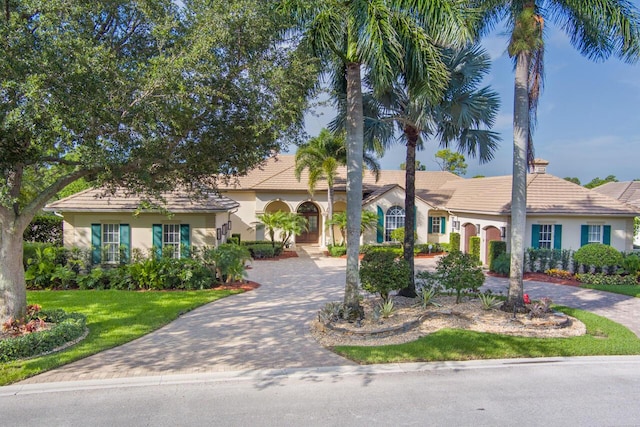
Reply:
x=470, y=230
x=312, y=214
x=491, y=233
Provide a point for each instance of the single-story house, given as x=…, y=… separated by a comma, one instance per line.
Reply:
x=112, y=224
x=560, y=214
x=627, y=192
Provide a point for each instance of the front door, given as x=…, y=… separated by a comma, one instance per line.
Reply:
x=310, y=212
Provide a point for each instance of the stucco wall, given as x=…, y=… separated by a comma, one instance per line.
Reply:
x=77, y=227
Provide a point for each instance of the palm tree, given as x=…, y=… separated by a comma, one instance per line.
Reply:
x=462, y=113
x=384, y=36
x=321, y=156
x=597, y=29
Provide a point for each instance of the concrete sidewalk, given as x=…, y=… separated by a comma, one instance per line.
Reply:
x=269, y=328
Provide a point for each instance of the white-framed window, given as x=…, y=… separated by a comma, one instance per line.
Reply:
x=171, y=239
x=395, y=219
x=546, y=236
x=111, y=243
x=594, y=234
x=436, y=224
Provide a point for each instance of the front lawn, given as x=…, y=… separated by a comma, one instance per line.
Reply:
x=603, y=337
x=113, y=318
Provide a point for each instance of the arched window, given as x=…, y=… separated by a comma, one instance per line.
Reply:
x=395, y=219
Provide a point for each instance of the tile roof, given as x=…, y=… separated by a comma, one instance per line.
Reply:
x=626, y=192
x=97, y=200
x=546, y=194
x=277, y=173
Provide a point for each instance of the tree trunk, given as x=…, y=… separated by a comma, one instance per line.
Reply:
x=355, y=146
x=332, y=237
x=409, y=209
x=519, y=182
x=13, y=291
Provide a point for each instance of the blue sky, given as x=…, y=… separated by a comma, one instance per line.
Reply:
x=588, y=116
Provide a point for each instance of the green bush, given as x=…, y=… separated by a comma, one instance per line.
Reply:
x=631, y=264
x=260, y=251
x=229, y=261
x=539, y=260
x=600, y=257
x=454, y=241
x=496, y=248
x=459, y=272
x=607, y=279
x=337, y=251
x=382, y=271
x=278, y=246
x=502, y=264
x=474, y=250
x=68, y=327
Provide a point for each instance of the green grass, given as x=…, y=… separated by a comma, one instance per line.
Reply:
x=629, y=290
x=603, y=337
x=113, y=318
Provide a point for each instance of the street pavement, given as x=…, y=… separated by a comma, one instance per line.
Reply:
x=268, y=328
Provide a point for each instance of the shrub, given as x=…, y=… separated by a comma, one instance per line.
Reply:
x=41, y=262
x=474, y=250
x=496, y=248
x=337, y=251
x=460, y=273
x=259, y=251
x=606, y=280
x=502, y=264
x=600, y=257
x=454, y=242
x=381, y=272
x=67, y=328
x=229, y=261
x=558, y=273
x=631, y=264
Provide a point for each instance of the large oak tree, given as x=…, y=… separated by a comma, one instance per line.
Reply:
x=145, y=95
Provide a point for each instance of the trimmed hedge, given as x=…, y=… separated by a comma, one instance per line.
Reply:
x=496, y=248
x=607, y=280
x=599, y=256
x=68, y=327
x=454, y=240
x=474, y=249
x=262, y=250
x=337, y=251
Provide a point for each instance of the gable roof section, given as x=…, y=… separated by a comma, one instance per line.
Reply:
x=546, y=194
x=625, y=192
x=96, y=200
x=278, y=174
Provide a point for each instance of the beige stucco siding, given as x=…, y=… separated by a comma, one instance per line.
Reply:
x=202, y=227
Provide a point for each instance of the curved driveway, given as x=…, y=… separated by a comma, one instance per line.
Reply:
x=268, y=328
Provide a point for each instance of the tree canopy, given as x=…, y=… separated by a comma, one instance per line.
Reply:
x=144, y=95
x=451, y=161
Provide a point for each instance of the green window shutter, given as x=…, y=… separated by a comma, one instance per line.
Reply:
x=557, y=236
x=96, y=243
x=606, y=237
x=535, y=236
x=380, y=228
x=125, y=242
x=584, y=235
x=430, y=227
x=443, y=225
x=185, y=239
x=157, y=239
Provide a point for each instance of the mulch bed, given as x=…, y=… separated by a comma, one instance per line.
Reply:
x=245, y=286
x=541, y=277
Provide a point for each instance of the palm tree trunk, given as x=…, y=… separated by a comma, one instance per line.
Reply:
x=409, y=208
x=519, y=182
x=355, y=143
x=332, y=237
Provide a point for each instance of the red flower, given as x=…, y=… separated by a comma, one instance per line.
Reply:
x=526, y=299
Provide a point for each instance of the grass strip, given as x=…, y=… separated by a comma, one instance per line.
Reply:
x=113, y=318
x=629, y=290
x=603, y=337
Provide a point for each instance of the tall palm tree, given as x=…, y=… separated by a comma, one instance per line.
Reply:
x=598, y=29
x=462, y=114
x=384, y=36
x=322, y=156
